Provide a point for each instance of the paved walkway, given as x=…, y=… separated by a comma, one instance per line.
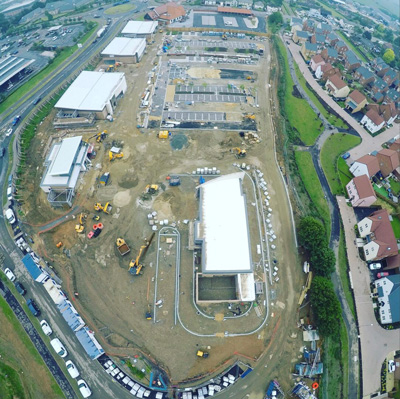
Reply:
x=376, y=342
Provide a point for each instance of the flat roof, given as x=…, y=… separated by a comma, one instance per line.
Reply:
x=10, y=66
x=125, y=46
x=65, y=156
x=139, y=27
x=89, y=343
x=224, y=226
x=90, y=91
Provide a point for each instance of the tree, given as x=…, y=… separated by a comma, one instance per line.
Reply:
x=48, y=15
x=388, y=56
x=396, y=41
x=311, y=233
x=388, y=35
x=275, y=18
x=367, y=35
x=323, y=261
x=326, y=306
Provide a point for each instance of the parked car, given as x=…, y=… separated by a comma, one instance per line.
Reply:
x=9, y=132
x=10, y=216
x=33, y=307
x=20, y=288
x=72, y=370
x=9, y=274
x=46, y=328
x=9, y=193
x=37, y=101
x=58, y=347
x=83, y=387
x=391, y=366
x=2, y=152
x=346, y=155
x=374, y=266
x=382, y=274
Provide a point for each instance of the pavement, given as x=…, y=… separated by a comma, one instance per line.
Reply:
x=376, y=342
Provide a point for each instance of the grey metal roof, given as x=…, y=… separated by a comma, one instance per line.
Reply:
x=65, y=156
x=311, y=46
x=364, y=72
x=394, y=298
x=302, y=34
x=351, y=57
x=10, y=66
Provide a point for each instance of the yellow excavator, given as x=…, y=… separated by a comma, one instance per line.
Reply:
x=239, y=152
x=100, y=136
x=106, y=208
x=135, y=267
x=249, y=116
x=113, y=155
x=80, y=228
x=151, y=189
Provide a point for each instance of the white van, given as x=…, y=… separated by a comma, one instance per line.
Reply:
x=58, y=347
x=9, y=193
x=10, y=216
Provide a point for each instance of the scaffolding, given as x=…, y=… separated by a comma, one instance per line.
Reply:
x=59, y=198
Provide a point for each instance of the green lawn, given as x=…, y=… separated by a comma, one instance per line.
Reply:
x=381, y=190
x=10, y=383
x=394, y=185
x=351, y=46
x=396, y=226
x=336, y=145
x=313, y=186
x=299, y=114
x=343, y=171
x=338, y=122
x=119, y=9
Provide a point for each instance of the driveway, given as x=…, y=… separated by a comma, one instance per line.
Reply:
x=376, y=342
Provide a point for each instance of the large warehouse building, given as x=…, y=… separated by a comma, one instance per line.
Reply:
x=92, y=93
x=125, y=50
x=143, y=29
x=222, y=231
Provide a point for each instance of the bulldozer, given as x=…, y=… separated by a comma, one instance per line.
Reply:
x=249, y=116
x=100, y=136
x=135, y=267
x=80, y=228
x=107, y=208
x=151, y=189
x=202, y=354
x=239, y=152
x=115, y=153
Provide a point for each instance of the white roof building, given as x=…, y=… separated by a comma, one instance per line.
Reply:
x=223, y=232
x=139, y=28
x=93, y=92
x=125, y=49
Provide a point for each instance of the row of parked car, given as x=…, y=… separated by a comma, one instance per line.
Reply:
x=56, y=344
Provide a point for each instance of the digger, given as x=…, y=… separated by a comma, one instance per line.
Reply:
x=100, y=136
x=115, y=153
x=107, y=208
x=135, y=267
x=79, y=228
x=239, y=152
x=249, y=116
x=151, y=189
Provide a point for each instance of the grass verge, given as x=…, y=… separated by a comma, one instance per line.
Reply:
x=352, y=47
x=313, y=186
x=396, y=226
x=10, y=383
x=335, y=121
x=298, y=112
x=336, y=145
x=119, y=9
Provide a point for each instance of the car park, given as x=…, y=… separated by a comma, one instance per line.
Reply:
x=10, y=275
x=84, y=388
x=58, y=347
x=374, y=266
x=391, y=366
x=33, y=307
x=72, y=369
x=46, y=328
x=20, y=288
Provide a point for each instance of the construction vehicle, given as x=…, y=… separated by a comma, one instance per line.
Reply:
x=79, y=228
x=135, y=267
x=174, y=181
x=224, y=37
x=104, y=178
x=249, y=116
x=164, y=134
x=107, y=208
x=122, y=247
x=100, y=136
x=148, y=313
x=114, y=153
x=151, y=189
x=202, y=354
x=239, y=152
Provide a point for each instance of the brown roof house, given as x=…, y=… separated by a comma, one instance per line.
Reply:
x=316, y=61
x=380, y=240
x=361, y=192
x=366, y=165
x=337, y=87
x=395, y=146
x=388, y=161
x=356, y=101
x=387, y=111
x=167, y=13
x=323, y=72
x=373, y=121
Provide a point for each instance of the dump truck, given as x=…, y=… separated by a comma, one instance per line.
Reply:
x=164, y=134
x=174, y=181
x=122, y=247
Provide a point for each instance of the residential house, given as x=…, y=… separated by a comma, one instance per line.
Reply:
x=363, y=75
x=166, y=13
x=392, y=95
x=323, y=72
x=318, y=39
x=380, y=66
x=248, y=4
x=296, y=24
x=388, y=161
x=308, y=50
x=300, y=36
x=388, y=291
x=337, y=87
x=377, y=230
x=259, y=5
x=377, y=97
x=373, y=121
x=316, y=61
x=389, y=76
x=387, y=111
x=341, y=47
x=309, y=25
x=351, y=61
x=356, y=101
x=366, y=44
x=366, y=165
x=395, y=146
x=360, y=191
x=331, y=39
x=329, y=55
x=326, y=28
x=379, y=85
x=271, y=10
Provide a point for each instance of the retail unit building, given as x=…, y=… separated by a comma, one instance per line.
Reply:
x=143, y=29
x=124, y=49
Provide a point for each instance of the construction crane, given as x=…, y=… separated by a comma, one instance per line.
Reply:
x=151, y=189
x=79, y=228
x=100, y=136
x=239, y=152
x=107, y=208
x=134, y=266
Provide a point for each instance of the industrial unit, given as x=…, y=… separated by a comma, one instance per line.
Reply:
x=92, y=95
x=124, y=49
x=66, y=160
x=143, y=29
x=222, y=231
x=11, y=66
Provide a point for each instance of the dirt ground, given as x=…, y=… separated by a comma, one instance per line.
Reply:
x=114, y=302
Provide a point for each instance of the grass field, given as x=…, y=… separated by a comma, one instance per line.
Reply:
x=313, y=186
x=335, y=13
x=20, y=358
x=338, y=122
x=352, y=47
x=332, y=149
x=300, y=115
x=119, y=9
